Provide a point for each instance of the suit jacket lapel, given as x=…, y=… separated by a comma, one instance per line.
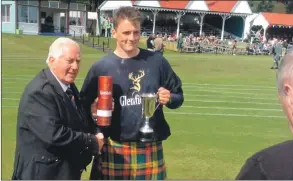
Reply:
x=53, y=81
x=80, y=110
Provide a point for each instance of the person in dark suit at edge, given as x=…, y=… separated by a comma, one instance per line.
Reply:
x=275, y=162
x=54, y=139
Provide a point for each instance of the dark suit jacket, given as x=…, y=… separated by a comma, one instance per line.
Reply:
x=53, y=137
x=273, y=163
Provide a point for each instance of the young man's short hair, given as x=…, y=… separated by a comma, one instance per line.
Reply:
x=126, y=13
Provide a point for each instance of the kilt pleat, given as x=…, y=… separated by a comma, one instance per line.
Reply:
x=132, y=161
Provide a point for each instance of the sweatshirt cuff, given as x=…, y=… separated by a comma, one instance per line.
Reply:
x=175, y=101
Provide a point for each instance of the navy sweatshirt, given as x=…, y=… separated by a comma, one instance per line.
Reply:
x=144, y=73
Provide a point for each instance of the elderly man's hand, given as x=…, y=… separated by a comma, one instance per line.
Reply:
x=100, y=138
x=164, y=96
x=94, y=107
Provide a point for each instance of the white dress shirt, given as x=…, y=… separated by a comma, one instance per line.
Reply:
x=64, y=87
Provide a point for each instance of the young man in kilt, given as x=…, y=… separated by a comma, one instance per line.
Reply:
x=134, y=71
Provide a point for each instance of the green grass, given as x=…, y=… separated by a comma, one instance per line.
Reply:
x=231, y=107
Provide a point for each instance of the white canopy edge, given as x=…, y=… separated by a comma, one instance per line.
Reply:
x=112, y=5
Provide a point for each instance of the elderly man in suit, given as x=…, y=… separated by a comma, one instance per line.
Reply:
x=275, y=162
x=55, y=140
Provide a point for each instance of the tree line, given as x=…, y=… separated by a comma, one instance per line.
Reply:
x=268, y=5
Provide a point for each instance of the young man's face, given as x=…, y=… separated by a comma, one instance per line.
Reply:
x=127, y=35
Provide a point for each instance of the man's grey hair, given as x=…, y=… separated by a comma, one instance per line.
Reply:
x=285, y=72
x=57, y=47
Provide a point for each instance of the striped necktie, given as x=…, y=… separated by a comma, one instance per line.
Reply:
x=70, y=95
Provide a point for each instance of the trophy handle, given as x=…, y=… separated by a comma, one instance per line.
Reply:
x=158, y=103
x=157, y=106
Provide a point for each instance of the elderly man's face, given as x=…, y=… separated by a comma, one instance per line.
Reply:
x=287, y=104
x=127, y=35
x=66, y=66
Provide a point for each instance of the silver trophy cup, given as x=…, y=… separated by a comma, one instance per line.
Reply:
x=148, y=108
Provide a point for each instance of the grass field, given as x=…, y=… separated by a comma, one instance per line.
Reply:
x=231, y=107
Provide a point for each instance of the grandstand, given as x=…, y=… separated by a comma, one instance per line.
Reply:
x=274, y=25
x=223, y=19
x=209, y=26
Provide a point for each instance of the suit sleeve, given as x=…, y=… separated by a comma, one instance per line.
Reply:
x=43, y=119
x=169, y=80
x=252, y=170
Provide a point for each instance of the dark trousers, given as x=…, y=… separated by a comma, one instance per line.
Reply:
x=96, y=173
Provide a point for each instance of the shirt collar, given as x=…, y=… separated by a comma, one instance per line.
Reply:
x=64, y=86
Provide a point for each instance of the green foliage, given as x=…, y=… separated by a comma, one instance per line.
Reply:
x=82, y=1
x=289, y=7
x=94, y=4
x=265, y=6
x=279, y=6
x=76, y=1
x=250, y=3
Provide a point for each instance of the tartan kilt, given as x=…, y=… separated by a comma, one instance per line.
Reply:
x=131, y=161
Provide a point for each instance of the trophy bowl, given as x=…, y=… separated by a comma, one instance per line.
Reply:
x=148, y=109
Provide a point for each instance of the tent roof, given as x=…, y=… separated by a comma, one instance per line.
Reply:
x=197, y=6
x=174, y=4
x=221, y=6
x=215, y=6
x=278, y=18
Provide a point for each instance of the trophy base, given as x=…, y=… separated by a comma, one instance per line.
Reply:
x=146, y=137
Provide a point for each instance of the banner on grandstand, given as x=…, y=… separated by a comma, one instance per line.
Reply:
x=280, y=26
